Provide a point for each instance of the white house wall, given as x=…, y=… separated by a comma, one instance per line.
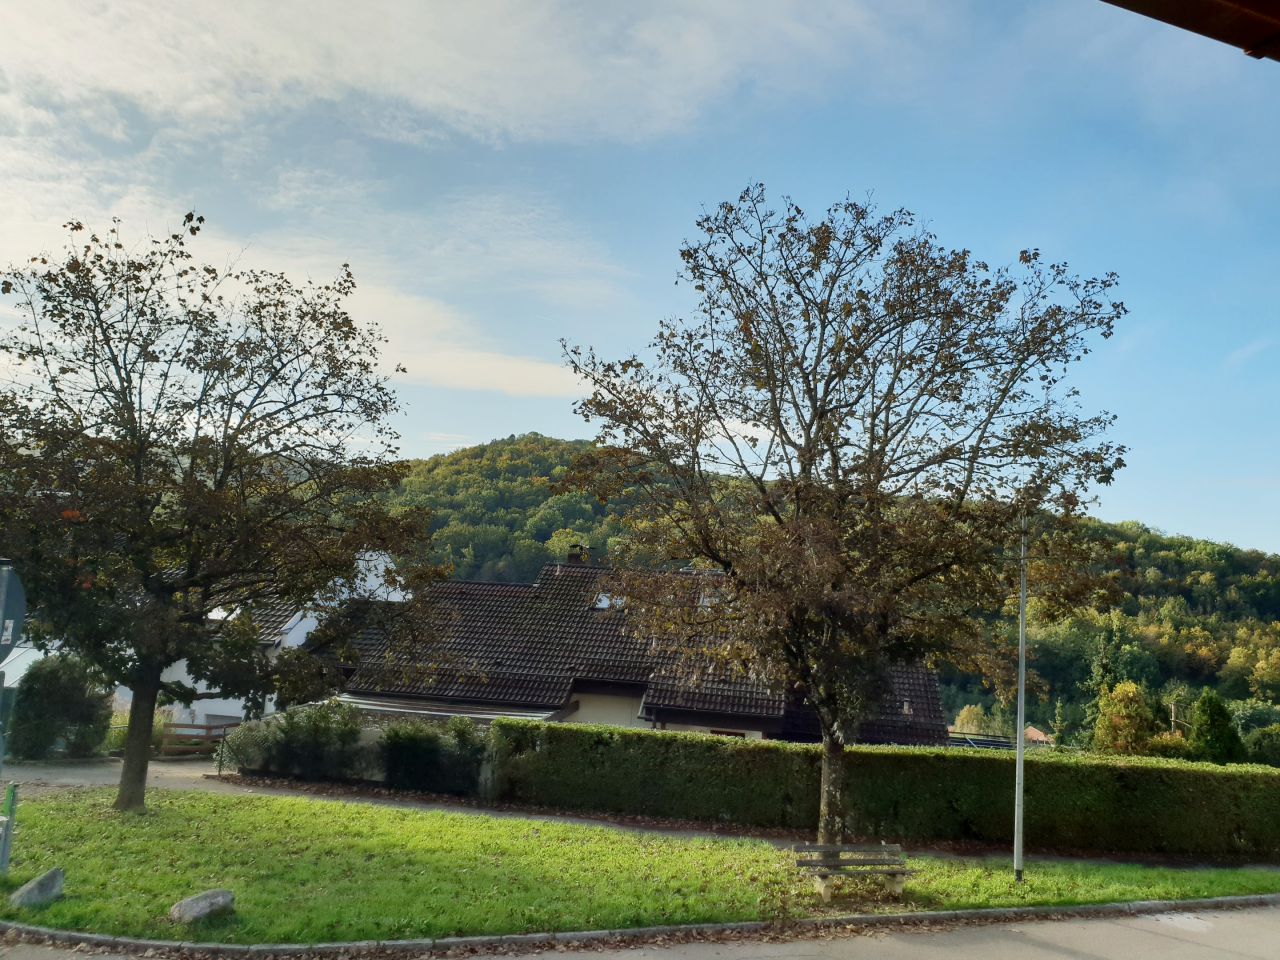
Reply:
x=298, y=629
x=228, y=709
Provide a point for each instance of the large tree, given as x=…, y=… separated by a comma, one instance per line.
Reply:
x=180, y=443
x=847, y=433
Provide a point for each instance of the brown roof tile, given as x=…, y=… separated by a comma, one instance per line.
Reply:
x=528, y=644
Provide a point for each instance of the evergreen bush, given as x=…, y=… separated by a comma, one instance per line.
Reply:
x=59, y=698
x=1213, y=733
x=1125, y=720
x=411, y=755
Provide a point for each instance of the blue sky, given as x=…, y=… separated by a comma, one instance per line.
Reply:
x=501, y=175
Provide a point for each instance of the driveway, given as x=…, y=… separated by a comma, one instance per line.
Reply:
x=1237, y=934
x=38, y=778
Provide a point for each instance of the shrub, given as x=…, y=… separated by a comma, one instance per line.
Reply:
x=1264, y=745
x=1119, y=804
x=972, y=718
x=411, y=755
x=315, y=742
x=119, y=730
x=1125, y=721
x=689, y=776
x=246, y=748
x=1171, y=746
x=425, y=756
x=1213, y=734
x=59, y=698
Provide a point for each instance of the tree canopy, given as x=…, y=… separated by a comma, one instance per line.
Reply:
x=846, y=432
x=182, y=443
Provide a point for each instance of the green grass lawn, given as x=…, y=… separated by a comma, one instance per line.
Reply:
x=309, y=870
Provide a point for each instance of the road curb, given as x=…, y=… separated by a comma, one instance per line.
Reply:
x=512, y=943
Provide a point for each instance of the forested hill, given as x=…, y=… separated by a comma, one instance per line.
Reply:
x=496, y=515
x=1190, y=611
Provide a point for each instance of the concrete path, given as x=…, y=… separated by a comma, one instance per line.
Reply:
x=1229, y=935
x=38, y=778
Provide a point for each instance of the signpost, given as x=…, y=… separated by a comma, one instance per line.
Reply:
x=13, y=612
x=7, y=816
x=13, y=608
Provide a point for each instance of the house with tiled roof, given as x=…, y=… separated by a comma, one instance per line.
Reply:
x=558, y=650
x=281, y=624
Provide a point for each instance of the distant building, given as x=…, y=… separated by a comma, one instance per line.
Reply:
x=1037, y=738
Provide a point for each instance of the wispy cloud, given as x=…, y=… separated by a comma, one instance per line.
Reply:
x=437, y=343
x=1242, y=355
x=496, y=69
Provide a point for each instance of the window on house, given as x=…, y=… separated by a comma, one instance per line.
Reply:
x=906, y=708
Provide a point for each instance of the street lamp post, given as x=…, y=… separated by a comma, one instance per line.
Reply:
x=1022, y=708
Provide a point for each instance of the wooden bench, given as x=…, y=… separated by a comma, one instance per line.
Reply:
x=827, y=861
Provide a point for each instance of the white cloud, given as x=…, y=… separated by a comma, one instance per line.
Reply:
x=103, y=105
x=510, y=69
x=441, y=347
x=466, y=368
x=437, y=344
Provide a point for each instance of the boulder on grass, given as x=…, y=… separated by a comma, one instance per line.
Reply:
x=202, y=905
x=45, y=888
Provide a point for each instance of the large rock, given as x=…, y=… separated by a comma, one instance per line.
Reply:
x=202, y=905
x=45, y=888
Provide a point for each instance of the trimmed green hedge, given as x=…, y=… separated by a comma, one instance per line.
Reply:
x=441, y=758
x=1073, y=801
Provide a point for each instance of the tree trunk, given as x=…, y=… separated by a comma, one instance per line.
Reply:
x=831, y=800
x=137, y=746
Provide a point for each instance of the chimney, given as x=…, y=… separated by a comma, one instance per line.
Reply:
x=577, y=554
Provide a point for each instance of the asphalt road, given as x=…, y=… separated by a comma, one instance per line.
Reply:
x=1252, y=934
